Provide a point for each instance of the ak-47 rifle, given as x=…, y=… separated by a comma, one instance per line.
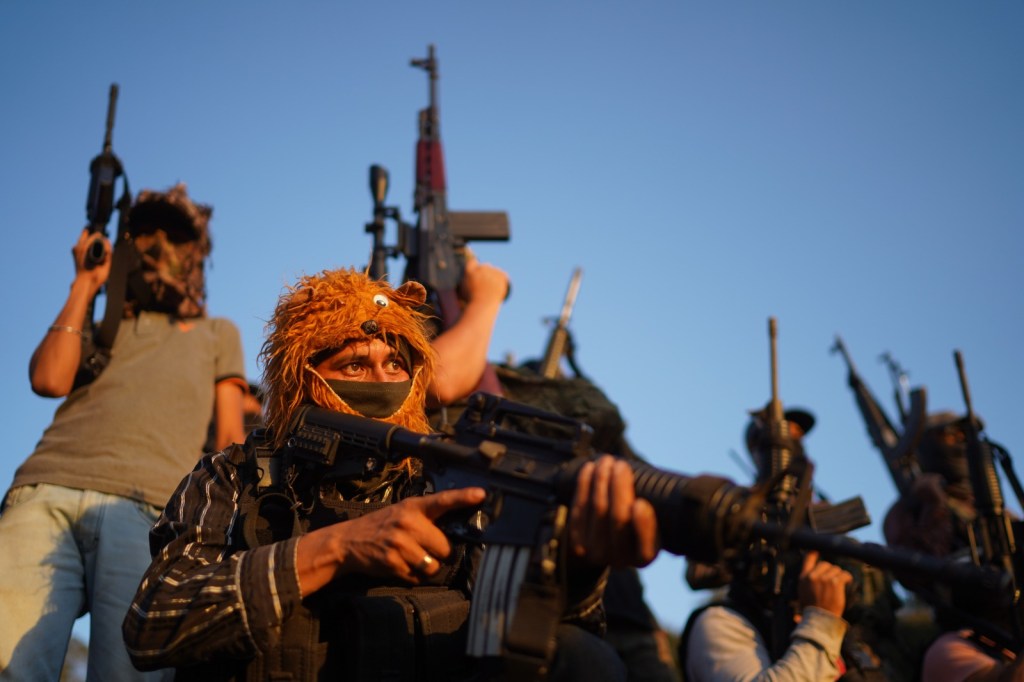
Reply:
x=530, y=481
x=434, y=248
x=897, y=449
x=995, y=541
x=560, y=342
x=104, y=170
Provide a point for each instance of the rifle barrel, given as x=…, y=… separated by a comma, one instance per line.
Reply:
x=108, y=143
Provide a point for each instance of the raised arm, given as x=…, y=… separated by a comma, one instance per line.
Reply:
x=462, y=348
x=56, y=359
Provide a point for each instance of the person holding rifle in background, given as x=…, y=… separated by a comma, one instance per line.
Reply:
x=955, y=509
x=782, y=618
x=76, y=518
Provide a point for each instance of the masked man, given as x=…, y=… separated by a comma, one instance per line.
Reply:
x=76, y=520
x=264, y=568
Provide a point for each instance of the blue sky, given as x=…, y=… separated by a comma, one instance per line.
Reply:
x=851, y=168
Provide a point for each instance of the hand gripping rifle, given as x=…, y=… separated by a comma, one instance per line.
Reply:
x=995, y=540
x=530, y=480
x=560, y=342
x=897, y=449
x=434, y=248
x=104, y=171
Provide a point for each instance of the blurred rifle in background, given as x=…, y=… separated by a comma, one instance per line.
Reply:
x=560, y=342
x=434, y=249
x=900, y=384
x=897, y=449
x=995, y=540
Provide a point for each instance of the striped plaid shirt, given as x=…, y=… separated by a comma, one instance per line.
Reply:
x=203, y=597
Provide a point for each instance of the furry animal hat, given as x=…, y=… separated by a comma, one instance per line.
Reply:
x=322, y=312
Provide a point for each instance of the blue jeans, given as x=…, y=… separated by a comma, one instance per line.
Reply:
x=63, y=553
x=584, y=657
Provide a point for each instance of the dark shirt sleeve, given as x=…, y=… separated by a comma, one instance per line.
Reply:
x=203, y=599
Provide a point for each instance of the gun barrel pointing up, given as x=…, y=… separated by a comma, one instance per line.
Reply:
x=108, y=142
x=559, y=339
x=570, y=297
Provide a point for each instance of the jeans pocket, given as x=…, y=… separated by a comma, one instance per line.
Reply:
x=22, y=493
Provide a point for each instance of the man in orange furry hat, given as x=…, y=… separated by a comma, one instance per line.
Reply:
x=263, y=569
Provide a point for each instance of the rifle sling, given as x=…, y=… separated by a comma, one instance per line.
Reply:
x=530, y=640
x=117, y=284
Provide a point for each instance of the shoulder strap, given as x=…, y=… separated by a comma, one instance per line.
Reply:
x=97, y=343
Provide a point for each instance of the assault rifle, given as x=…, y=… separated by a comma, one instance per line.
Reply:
x=995, y=539
x=560, y=342
x=788, y=502
x=782, y=567
x=772, y=568
x=530, y=480
x=897, y=449
x=434, y=248
x=104, y=171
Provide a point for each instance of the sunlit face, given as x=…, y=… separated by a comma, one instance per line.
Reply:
x=371, y=360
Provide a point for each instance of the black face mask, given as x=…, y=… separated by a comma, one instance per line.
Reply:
x=377, y=399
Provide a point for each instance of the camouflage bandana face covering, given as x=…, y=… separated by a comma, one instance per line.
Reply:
x=377, y=399
x=172, y=274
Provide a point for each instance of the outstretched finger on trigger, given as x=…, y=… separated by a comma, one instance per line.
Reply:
x=437, y=504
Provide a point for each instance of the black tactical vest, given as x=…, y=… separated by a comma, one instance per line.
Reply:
x=355, y=629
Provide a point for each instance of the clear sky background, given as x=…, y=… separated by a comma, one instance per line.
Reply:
x=852, y=168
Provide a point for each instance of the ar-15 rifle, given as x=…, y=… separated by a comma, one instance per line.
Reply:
x=897, y=449
x=530, y=480
x=104, y=170
x=434, y=248
x=560, y=342
x=782, y=567
x=995, y=541
x=789, y=504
